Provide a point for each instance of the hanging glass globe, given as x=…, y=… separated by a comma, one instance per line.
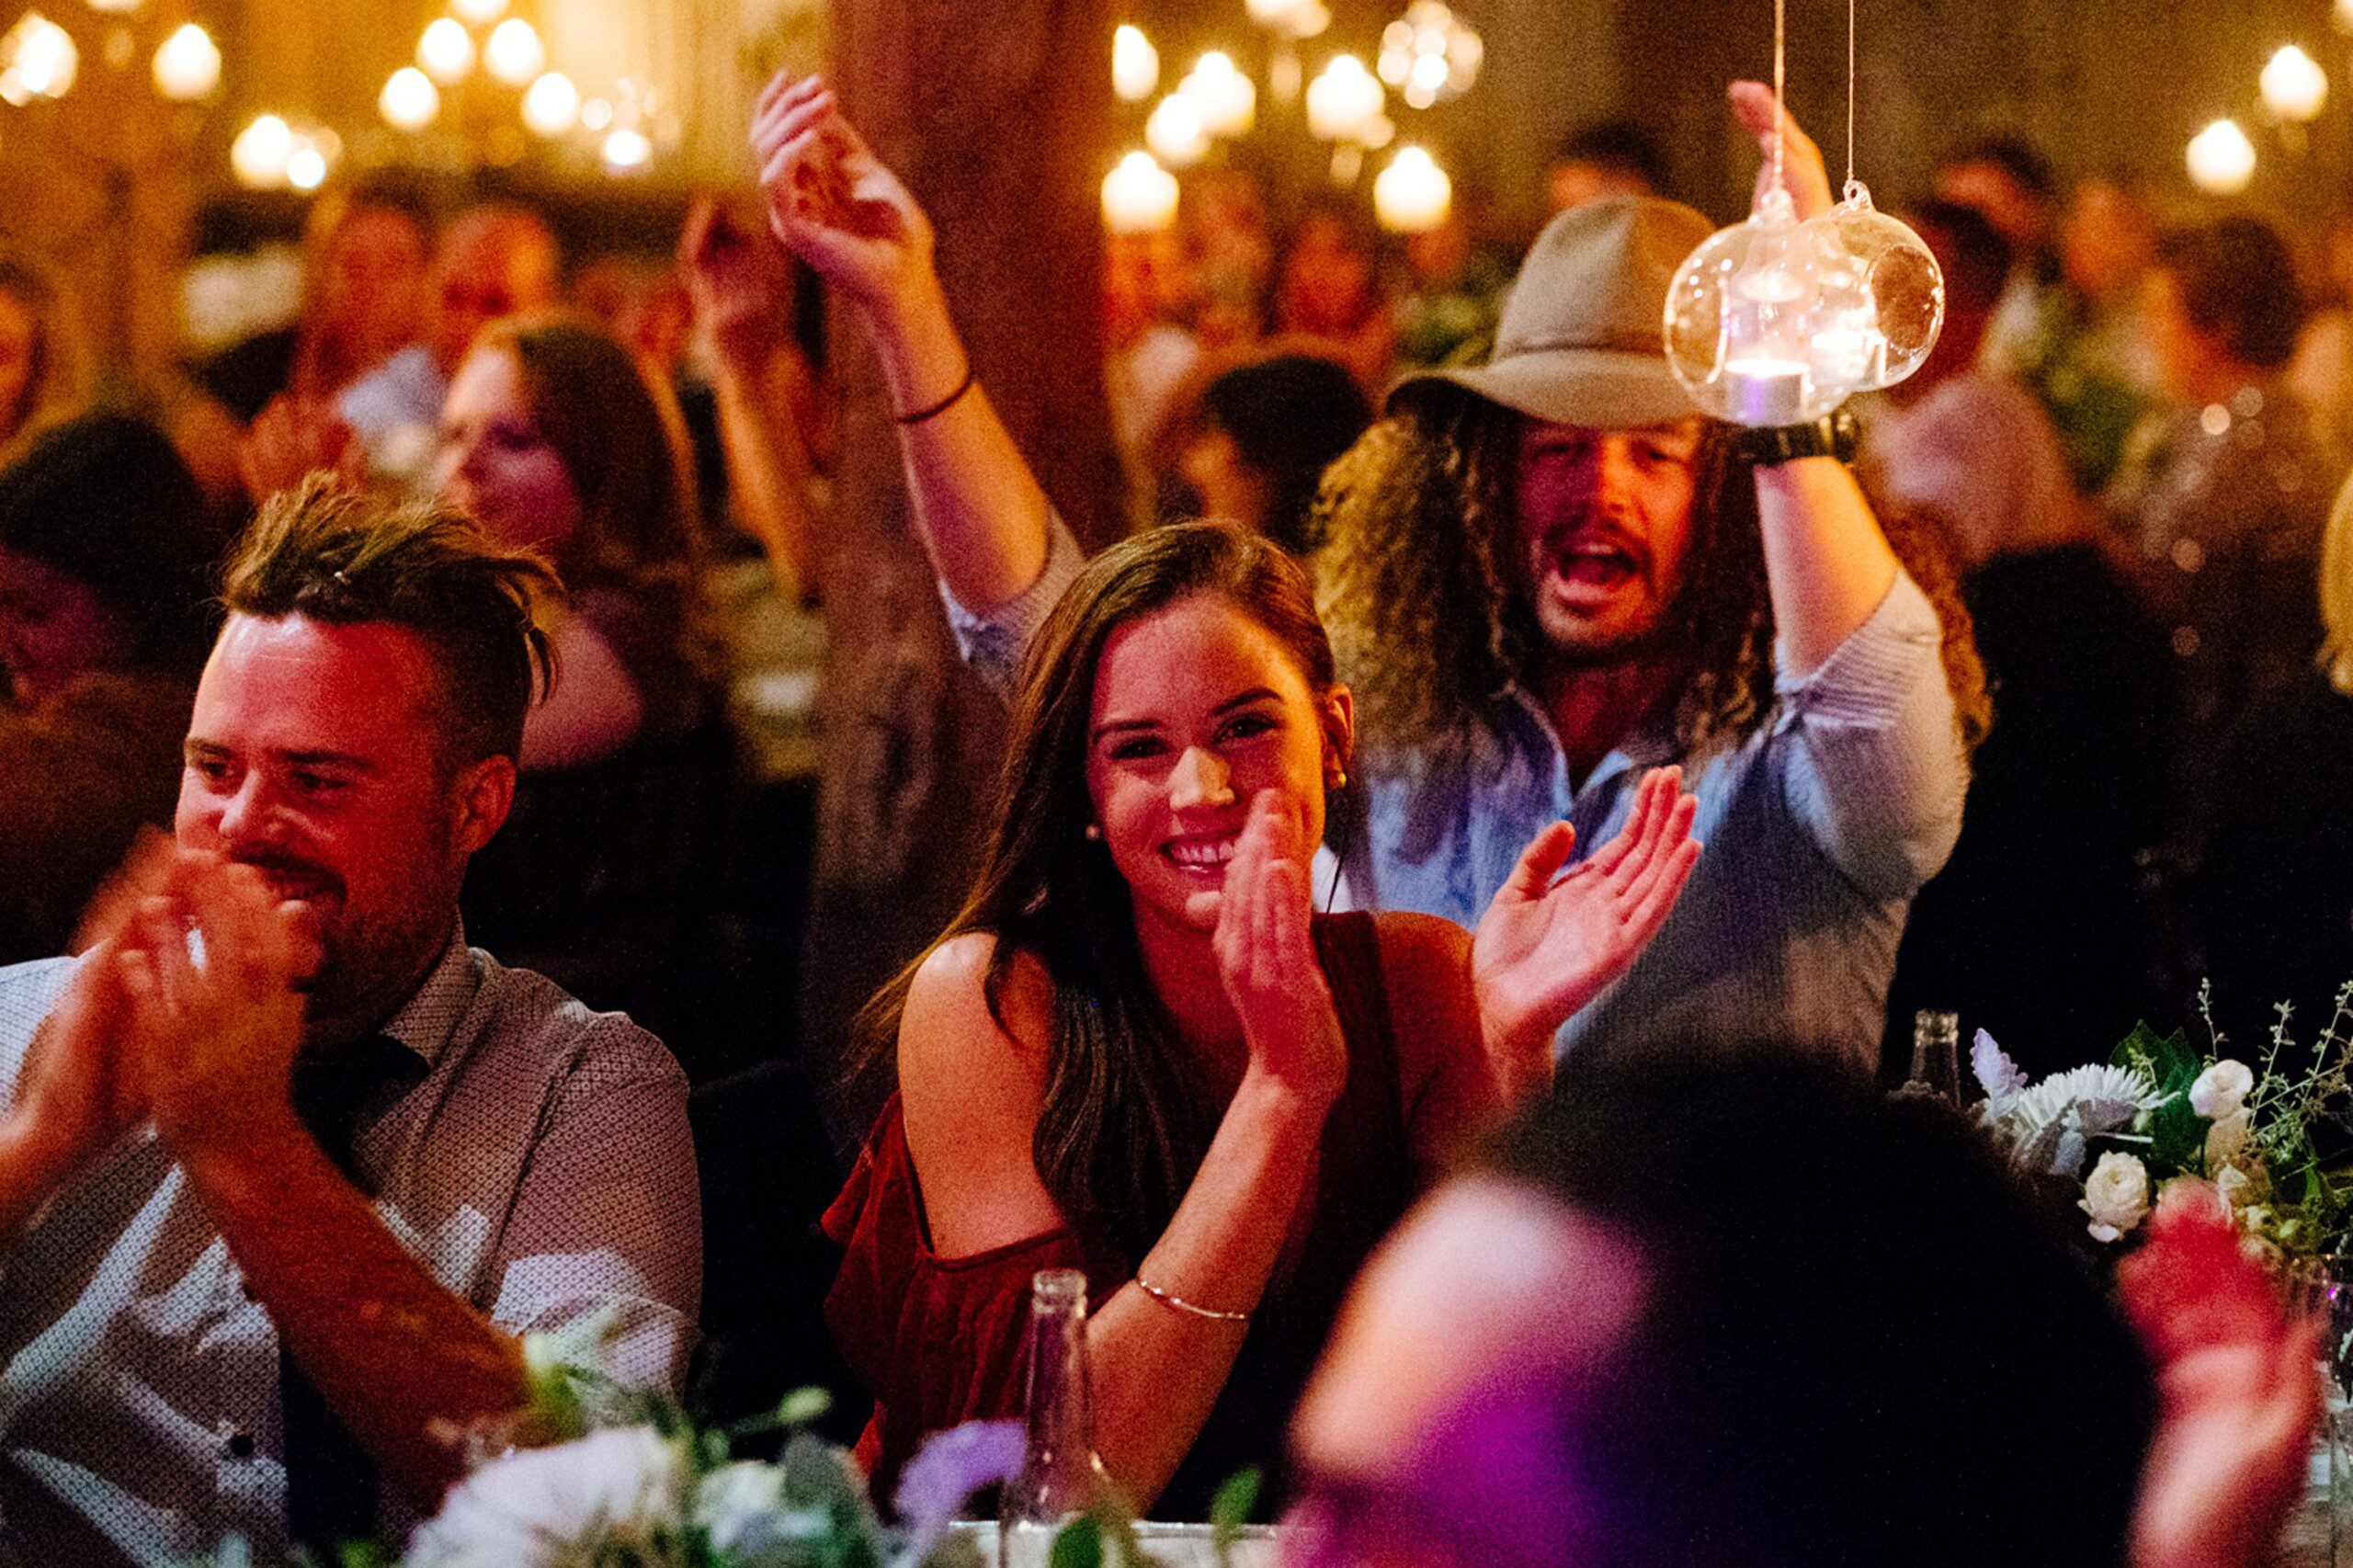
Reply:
x=1907, y=287
x=1770, y=322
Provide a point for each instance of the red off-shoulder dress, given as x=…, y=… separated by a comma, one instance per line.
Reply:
x=938, y=1340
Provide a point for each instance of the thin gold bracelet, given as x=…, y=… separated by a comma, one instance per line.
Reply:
x=1170, y=1298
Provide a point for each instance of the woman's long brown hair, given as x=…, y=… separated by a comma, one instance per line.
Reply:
x=1125, y=1122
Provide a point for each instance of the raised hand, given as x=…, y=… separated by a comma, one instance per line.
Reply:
x=212, y=1042
x=2239, y=1394
x=1549, y=943
x=735, y=279
x=289, y=438
x=1802, y=175
x=831, y=200
x=1265, y=955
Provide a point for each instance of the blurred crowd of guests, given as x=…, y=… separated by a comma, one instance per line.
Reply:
x=2131, y=434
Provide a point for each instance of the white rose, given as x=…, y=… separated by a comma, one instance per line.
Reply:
x=2116, y=1195
x=2225, y=1139
x=546, y=1506
x=2220, y=1089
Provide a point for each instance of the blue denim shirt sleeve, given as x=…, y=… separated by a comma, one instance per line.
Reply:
x=1868, y=751
x=992, y=644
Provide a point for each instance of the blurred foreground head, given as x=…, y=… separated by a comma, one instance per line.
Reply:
x=1727, y=1313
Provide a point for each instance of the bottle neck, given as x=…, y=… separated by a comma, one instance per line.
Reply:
x=1062, y=1409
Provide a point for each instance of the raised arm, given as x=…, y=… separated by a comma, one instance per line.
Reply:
x=1827, y=562
x=977, y=507
x=736, y=281
x=1158, y=1367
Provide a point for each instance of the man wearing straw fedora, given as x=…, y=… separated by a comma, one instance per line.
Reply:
x=1544, y=576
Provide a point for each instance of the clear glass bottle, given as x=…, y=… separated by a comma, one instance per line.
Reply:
x=1060, y=1476
x=1936, y=1055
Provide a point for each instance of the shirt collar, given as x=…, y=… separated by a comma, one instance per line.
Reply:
x=1649, y=744
x=435, y=1008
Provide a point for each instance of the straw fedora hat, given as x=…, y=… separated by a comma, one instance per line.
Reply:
x=1581, y=341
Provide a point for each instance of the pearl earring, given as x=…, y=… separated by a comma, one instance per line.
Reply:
x=1094, y=832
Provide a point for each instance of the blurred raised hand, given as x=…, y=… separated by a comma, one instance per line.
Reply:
x=1802, y=173
x=289, y=439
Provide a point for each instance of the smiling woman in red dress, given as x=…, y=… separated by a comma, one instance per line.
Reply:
x=1139, y=1052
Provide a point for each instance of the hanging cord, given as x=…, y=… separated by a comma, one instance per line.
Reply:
x=1851, y=185
x=1781, y=113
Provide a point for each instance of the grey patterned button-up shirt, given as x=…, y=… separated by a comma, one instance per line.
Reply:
x=542, y=1171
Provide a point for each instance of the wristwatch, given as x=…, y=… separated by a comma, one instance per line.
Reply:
x=1831, y=436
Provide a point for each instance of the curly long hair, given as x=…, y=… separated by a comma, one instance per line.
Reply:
x=1124, y=1124
x=1422, y=592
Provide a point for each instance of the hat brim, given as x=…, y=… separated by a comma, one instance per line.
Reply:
x=1601, y=389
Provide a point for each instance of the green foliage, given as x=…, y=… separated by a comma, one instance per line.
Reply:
x=1230, y=1510
x=1079, y=1544
x=2177, y=1134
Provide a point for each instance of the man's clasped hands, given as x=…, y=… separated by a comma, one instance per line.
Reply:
x=185, y=1009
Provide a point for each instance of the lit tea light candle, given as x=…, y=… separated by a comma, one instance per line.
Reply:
x=1767, y=391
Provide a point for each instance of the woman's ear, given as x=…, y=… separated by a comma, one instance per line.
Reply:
x=1337, y=707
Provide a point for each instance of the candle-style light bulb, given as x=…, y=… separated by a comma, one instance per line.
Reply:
x=188, y=65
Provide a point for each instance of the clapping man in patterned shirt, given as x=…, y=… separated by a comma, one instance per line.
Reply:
x=286, y=1169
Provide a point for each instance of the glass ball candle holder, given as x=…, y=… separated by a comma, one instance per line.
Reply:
x=1907, y=287
x=1770, y=322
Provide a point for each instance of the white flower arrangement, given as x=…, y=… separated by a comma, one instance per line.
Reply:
x=2162, y=1112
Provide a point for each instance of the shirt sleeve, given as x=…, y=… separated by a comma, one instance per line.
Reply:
x=993, y=644
x=1871, y=765
x=606, y=1230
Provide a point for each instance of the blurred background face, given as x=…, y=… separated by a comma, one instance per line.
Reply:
x=1227, y=487
x=497, y=466
x=372, y=280
x=492, y=265
x=2023, y=216
x=1327, y=278
x=2175, y=344
x=2107, y=242
x=1468, y=1457
x=1575, y=182
x=53, y=628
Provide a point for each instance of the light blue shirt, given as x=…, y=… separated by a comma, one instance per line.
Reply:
x=1819, y=826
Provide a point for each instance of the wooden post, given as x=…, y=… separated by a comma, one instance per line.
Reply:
x=995, y=113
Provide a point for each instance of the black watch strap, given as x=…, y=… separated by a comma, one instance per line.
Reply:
x=1831, y=436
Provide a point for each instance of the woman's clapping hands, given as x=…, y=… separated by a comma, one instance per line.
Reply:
x=1265, y=954
x=1549, y=942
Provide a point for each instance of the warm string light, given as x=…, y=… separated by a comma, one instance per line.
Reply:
x=1135, y=64
x=2293, y=86
x=38, y=60
x=551, y=105
x=2221, y=159
x=410, y=101
x=1139, y=196
x=1412, y=195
